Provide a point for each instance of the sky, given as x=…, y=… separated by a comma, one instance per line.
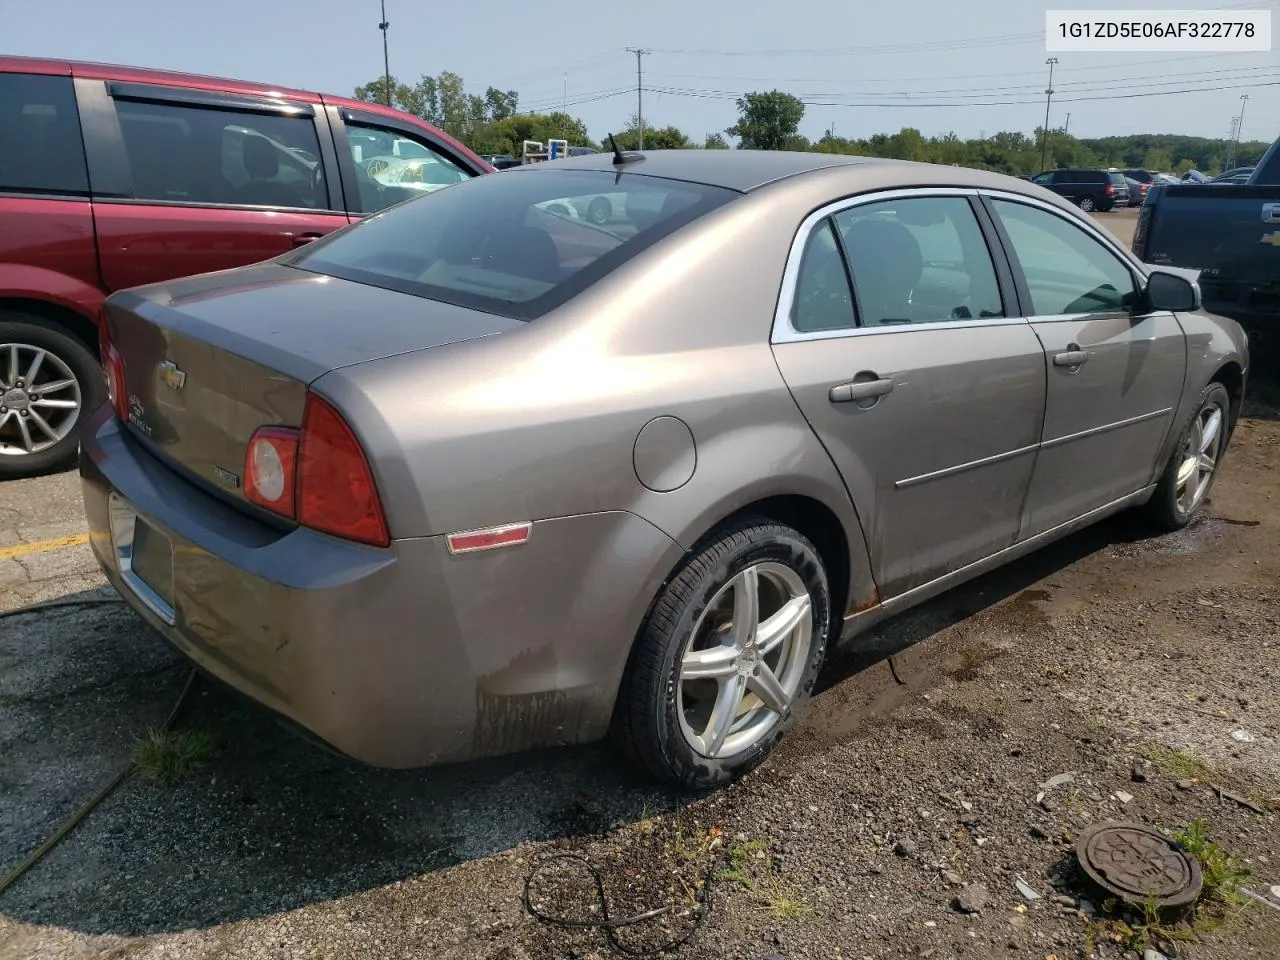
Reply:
x=861, y=67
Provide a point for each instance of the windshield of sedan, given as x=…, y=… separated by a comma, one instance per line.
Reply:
x=516, y=243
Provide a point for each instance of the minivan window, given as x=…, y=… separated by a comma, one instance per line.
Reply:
x=41, y=150
x=390, y=167
x=186, y=154
x=516, y=245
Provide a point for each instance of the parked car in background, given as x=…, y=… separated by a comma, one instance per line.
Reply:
x=1194, y=176
x=1142, y=176
x=1137, y=191
x=116, y=176
x=1230, y=233
x=1090, y=190
x=490, y=479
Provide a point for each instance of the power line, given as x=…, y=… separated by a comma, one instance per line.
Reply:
x=915, y=104
x=918, y=46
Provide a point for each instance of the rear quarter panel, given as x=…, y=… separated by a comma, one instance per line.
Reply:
x=47, y=253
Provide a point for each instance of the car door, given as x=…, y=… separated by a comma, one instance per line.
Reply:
x=385, y=161
x=923, y=384
x=189, y=181
x=1114, y=376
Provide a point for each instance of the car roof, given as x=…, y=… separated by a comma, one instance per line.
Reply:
x=111, y=71
x=740, y=170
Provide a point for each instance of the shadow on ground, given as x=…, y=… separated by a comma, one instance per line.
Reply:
x=274, y=823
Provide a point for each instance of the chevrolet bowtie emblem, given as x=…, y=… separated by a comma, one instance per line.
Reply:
x=173, y=377
x=1271, y=238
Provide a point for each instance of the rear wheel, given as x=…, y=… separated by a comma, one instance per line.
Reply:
x=1187, y=479
x=1087, y=204
x=49, y=381
x=728, y=656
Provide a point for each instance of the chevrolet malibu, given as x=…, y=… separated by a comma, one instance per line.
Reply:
x=472, y=477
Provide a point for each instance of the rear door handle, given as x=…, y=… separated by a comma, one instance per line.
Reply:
x=1070, y=358
x=1271, y=213
x=302, y=239
x=860, y=390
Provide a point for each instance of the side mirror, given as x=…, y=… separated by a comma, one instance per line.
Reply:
x=1171, y=291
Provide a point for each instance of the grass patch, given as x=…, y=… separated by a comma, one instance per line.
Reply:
x=783, y=902
x=739, y=869
x=166, y=756
x=1223, y=872
x=1179, y=764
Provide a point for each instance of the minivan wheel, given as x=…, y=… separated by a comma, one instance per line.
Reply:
x=728, y=656
x=1188, y=477
x=49, y=382
x=1087, y=204
x=599, y=211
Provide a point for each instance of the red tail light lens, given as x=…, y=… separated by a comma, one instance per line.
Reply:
x=336, y=493
x=270, y=470
x=1111, y=189
x=113, y=370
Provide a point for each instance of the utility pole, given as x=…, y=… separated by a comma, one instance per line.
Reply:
x=1230, y=160
x=1048, y=97
x=1067, y=126
x=1244, y=102
x=564, y=103
x=386, y=59
x=639, y=88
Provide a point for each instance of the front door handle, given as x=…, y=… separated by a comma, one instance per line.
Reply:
x=1271, y=213
x=860, y=390
x=1070, y=358
x=302, y=239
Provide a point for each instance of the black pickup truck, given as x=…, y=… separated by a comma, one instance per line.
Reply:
x=1230, y=232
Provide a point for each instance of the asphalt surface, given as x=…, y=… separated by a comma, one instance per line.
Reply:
x=902, y=787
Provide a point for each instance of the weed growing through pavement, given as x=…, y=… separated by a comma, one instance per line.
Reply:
x=770, y=893
x=166, y=756
x=1180, y=764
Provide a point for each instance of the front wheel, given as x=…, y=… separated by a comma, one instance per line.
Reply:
x=1187, y=479
x=49, y=382
x=1087, y=204
x=728, y=657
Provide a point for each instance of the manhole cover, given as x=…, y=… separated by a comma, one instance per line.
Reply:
x=1137, y=864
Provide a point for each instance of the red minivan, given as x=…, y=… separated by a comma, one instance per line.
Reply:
x=112, y=177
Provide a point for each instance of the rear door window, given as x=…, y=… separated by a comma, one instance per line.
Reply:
x=189, y=154
x=516, y=245
x=41, y=150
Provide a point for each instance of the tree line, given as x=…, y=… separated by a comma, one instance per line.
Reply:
x=491, y=123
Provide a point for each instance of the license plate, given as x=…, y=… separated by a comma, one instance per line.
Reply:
x=144, y=557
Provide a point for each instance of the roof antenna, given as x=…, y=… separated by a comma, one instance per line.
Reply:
x=617, y=154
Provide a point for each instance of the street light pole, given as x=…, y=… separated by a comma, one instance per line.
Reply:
x=1048, y=97
x=386, y=59
x=1244, y=102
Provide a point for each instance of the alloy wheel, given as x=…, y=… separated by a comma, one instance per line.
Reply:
x=746, y=657
x=1200, y=457
x=40, y=399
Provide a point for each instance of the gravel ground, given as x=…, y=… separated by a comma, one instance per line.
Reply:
x=897, y=821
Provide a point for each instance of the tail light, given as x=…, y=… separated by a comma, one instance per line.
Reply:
x=113, y=369
x=1111, y=189
x=318, y=476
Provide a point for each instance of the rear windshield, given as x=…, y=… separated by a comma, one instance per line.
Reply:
x=516, y=243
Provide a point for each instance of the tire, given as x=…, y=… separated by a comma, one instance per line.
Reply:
x=64, y=358
x=1174, y=504
x=657, y=719
x=1087, y=204
x=600, y=211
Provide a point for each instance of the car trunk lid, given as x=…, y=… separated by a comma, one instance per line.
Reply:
x=210, y=359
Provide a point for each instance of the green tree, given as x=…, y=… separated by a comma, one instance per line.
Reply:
x=715, y=141
x=768, y=121
x=655, y=138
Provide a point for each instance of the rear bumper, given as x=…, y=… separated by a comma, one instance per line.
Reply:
x=400, y=657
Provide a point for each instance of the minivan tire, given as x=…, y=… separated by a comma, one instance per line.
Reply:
x=651, y=722
x=29, y=335
x=1087, y=204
